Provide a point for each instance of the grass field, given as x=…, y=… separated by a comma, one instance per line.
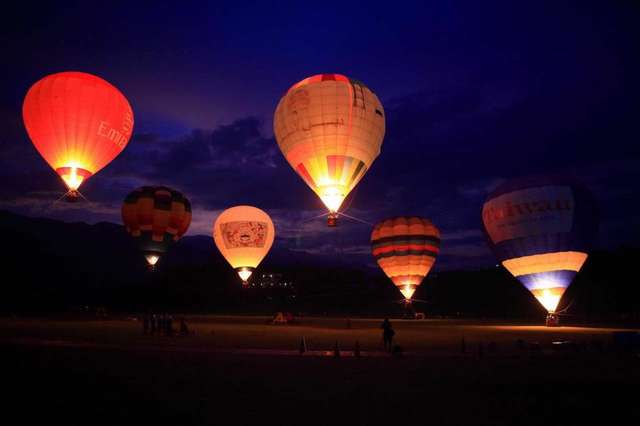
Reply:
x=240, y=370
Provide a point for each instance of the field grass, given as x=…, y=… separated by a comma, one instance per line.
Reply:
x=242, y=332
x=107, y=372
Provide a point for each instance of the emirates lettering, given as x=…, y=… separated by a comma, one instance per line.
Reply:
x=509, y=210
x=105, y=130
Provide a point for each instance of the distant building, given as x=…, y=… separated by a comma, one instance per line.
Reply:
x=272, y=280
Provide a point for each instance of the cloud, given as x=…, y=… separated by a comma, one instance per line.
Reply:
x=462, y=234
x=445, y=149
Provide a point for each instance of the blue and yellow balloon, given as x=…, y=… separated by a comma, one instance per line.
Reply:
x=541, y=230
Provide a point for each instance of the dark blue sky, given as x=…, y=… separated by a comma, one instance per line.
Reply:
x=475, y=93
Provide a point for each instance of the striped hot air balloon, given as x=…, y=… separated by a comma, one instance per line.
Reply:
x=78, y=122
x=156, y=217
x=330, y=129
x=406, y=249
x=541, y=230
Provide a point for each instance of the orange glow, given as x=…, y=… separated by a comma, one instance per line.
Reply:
x=549, y=297
x=72, y=178
x=407, y=291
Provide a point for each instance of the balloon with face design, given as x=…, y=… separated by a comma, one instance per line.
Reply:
x=244, y=235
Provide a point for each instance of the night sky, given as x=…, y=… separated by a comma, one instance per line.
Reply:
x=475, y=93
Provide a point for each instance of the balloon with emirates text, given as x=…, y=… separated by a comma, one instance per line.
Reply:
x=244, y=235
x=541, y=230
x=78, y=122
x=330, y=129
x=405, y=248
x=156, y=217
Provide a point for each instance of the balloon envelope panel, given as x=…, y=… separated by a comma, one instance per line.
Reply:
x=405, y=248
x=78, y=122
x=330, y=129
x=541, y=230
x=156, y=217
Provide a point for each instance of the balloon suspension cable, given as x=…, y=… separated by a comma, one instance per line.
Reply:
x=52, y=205
x=315, y=217
x=562, y=311
x=85, y=198
x=353, y=195
x=355, y=218
x=65, y=195
x=406, y=302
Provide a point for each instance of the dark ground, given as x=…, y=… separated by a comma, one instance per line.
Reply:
x=66, y=379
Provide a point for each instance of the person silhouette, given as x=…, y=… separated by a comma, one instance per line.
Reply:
x=387, y=334
x=154, y=324
x=145, y=323
x=184, y=330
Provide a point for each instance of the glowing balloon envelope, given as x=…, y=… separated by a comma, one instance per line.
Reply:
x=406, y=249
x=330, y=129
x=244, y=235
x=541, y=229
x=156, y=217
x=78, y=122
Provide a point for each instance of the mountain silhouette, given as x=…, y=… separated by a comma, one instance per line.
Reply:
x=56, y=266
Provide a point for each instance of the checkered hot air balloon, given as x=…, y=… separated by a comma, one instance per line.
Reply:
x=156, y=217
x=78, y=122
x=541, y=230
x=406, y=249
x=330, y=129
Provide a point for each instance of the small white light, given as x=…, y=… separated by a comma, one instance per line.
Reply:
x=244, y=274
x=152, y=259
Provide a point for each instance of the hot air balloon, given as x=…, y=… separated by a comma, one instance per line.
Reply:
x=406, y=249
x=244, y=235
x=156, y=217
x=541, y=229
x=78, y=122
x=330, y=129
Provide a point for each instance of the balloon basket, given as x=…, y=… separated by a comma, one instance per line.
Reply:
x=72, y=196
x=332, y=220
x=553, y=320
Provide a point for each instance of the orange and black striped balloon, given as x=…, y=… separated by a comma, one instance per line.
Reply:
x=156, y=217
x=406, y=249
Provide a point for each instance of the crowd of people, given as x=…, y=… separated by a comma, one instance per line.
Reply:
x=162, y=325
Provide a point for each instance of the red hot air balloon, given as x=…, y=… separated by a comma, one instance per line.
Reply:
x=78, y=122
